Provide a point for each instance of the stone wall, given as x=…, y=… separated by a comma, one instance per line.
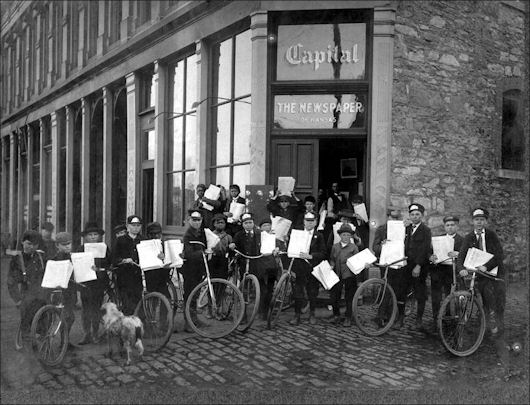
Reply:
x=451, y=60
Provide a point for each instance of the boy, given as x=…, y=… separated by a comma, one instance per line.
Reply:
x=270, y=266
x=309, y=206
x=393, y=214
x=493, y=291
x=442, y=274
x=281, y=206
x=219, y=262
x=156, y=280
x=198, y=205
x=24, y=280
x=233, y=227
x=92, y=293
x=46, y=243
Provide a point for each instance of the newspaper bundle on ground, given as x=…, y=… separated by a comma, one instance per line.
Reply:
x=83, y=270
x=391, y=251
x=211, y=239
x=323, y=273
x=322, y=220
x=476, y=257
x=57, y=274
x=285, y=185
x=268, y=243
x=237, y=209
x=441, y=246
x=172, y=250
x=395, y=230
x=148, y=251
x=212, y=192
x=357, y=262
x=361, y=210
x=298, y=243
x=336, y=227
x=99, y=249
x=280, y=226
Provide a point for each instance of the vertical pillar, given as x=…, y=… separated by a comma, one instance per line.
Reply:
x=66, y=37
x=85, y=160
x=12, y=185
x=29, y=171
x=18, y=51
x=42, y=172
x=55, y=156
x=133, y=144
x=38, y=52
x=381, y=136
x=20, y=188
x=203, y=62
x=51, y=45
x=258, y=133
x=102, y=28
x=5, y=192
x=126, y=21
x=9, y=79
x=27, y=73
x=155, y=10
x=161, y=86
x=108, y=119
x=69, y=128
x=82, y=35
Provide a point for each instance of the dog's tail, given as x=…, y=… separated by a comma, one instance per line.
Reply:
x=138, y=344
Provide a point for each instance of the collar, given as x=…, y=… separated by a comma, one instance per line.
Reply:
x=343, y=244
x=478, y=232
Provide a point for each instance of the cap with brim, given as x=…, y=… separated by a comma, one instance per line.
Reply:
x=310, y=216
x=346, y=213
x=310, y=198
x=134, y=219
x=416, y=207
x=203, y=186
x=153, y=227
x=31, y=236
x=480, y=212
x=195, y=214
x=283, y=198
x=265, y=221
x=246, y=217
x=453, y=218
x=219, y=217
x=63, y=238
x=345, y=228
x=92, y=227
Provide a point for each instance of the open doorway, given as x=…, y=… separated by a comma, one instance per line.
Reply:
x=344, y=161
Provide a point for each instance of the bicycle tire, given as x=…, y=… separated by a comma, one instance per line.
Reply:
x=156, y=314
x=279, y=295
x=462, y=323
x=173, y=300
x=49, y=335
x=250, y=289
x=221, y=320
x=376, y=312
x=19, y=344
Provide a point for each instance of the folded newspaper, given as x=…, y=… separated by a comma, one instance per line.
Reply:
x=325, y=274
x=476, y=257
x=357, y=262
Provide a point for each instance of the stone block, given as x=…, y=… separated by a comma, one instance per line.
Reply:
x=437, y=21
x=406, y=30
x=495, y=68
x=416, y=56
x=448, y=59
x=464, y=57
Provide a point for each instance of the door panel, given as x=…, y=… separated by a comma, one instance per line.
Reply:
x=299, y=159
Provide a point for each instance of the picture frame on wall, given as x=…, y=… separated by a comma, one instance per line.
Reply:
x=348, y=168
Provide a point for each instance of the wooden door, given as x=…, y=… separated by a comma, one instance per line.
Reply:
x=298, y=159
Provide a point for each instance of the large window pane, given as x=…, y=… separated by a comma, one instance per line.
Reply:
x=242, y=132
x=222, y=176
x=225, y=69
x=223, y=135
x=191, y=82
x=191, y=141
x=190, y=180
x=178, y=88
x=243, y=65
x=241, y=176
x=321, y=52
x=174, y=201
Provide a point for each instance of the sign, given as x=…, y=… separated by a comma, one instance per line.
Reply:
x=295, y=55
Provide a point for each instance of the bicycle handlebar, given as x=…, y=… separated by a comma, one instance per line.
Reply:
x=390, y=264
x=484, y=274
x=196, y=242
x=245, y=256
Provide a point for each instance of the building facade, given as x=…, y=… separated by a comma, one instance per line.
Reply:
x=111, y=108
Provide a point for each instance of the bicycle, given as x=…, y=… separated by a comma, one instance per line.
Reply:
x=376, y=312
x=218, y=302
x=175, y=287
x=281, y=296
x=461, y=320
x=49, y=331
x=156, y=314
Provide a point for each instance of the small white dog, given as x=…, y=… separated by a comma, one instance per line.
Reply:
x=128, y=329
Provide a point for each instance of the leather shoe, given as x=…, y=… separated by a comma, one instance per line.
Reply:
x=295, y=321
x=347, y=322
x=398, y=323
x=312, y=320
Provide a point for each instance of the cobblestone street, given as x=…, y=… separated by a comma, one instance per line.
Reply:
x=287, y=358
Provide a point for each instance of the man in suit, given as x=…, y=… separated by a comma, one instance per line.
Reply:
x=493, y=291
x=393, y=214
x=414, y=274
x=233, y=227
x=303, y=267
x=442, y=273
x=198, y=205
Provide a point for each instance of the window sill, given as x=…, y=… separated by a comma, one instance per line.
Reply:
x=511, y=174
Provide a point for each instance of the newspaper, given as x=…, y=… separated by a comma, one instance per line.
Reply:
x=361, y=210
x=280, y=227
x=441, y=246
x=321, y=223
x=395, y=230
x=286, y=185
x=237, y=209
x=212, y=192
x=357, y=262
x=83, y=263
x=268, y=243
x=172, y=250
x=148, y=251
x=57, y=274
x=476, y=257
x=99, y=249
x=211, y=239
x=391, y=251
x=325, y=274
x=298, y=243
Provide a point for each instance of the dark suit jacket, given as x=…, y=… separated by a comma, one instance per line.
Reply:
x=380, y=236
x=251, y=247
x=418, y=245
x=493, y=246
x=317, y=249
x=192, y=253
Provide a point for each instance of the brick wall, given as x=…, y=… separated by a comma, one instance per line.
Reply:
x=451, y=60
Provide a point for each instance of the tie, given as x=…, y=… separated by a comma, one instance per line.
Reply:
x=479, y=241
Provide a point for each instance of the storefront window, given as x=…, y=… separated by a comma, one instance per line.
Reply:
x=320, y=111
x=231, y=111
x=321, y=52
x=182, y=142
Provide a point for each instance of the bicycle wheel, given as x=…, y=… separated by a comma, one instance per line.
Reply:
x=289, y=297
x=462, y=323
x=172, y=295
x=280, y=295
x=18, y=338
x=215, y=321
x=377, y=310
x=49, y=335
x=156, y=314
x=251, y=295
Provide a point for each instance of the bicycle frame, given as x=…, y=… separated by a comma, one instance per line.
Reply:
x=207, y=268
x=379, y=301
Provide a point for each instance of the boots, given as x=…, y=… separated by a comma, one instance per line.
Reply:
x=295, y=321
x=312, y=319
